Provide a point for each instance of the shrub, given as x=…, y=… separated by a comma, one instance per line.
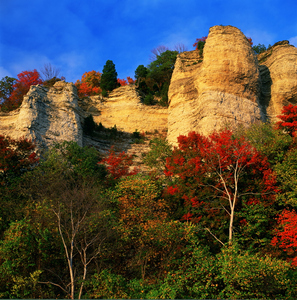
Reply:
x=104, y=93
x=148, y=100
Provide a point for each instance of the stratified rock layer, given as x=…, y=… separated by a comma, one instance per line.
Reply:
x=278, y=69
x=124, y=109
x=222, y=89
x=227, y=86
x=56, y=114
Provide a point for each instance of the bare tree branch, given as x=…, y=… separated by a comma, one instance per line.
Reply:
x=49, y=71
x=207, y=229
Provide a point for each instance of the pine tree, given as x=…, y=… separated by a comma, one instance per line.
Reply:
x=109, y=76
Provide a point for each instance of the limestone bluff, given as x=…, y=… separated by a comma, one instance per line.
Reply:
x=229, y=84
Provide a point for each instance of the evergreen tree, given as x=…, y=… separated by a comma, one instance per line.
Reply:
x=109, y=76
x=6, y=87
x=160, y=70
x=141, y=72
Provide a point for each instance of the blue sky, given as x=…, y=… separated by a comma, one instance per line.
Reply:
x=79, y=36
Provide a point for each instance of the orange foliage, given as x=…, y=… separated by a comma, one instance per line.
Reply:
x=16, y=156
x=250, y=41
x=288, y=119
x=119, y=165
x=143, y=221
x=199, y=42
x=130, y=80
x=89, y=85
x=122, y=82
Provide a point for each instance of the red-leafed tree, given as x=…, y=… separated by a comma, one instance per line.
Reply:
x=16, y=156
x=122, y=82
x=288, y=119
x=130, y=80
x=89, y=85
x=286, y=234
x=119, y=165
x=214, y=174
x=21, y=88
x=250, y=41
x=199, y=44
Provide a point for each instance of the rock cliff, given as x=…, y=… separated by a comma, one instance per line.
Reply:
x=229, y=85
x=46, y=115
x=278, y=69
x=222, y=87
x=124, y=109
x=226, y=86
x=56, y=114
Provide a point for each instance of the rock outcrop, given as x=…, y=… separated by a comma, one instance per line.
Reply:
x=226, y=86
x=278, y=69
x=229, y=85
x=56, y=114
x=46, y=115
x=220, y=89
x=123, y=108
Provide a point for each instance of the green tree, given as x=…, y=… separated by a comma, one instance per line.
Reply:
x=6, y=88
x=67, y=185
x=141, y=73
x=143, y=216
x=245, y=275
x=194, y=273
x=260, y=48
x=287, y=178
x=83, y=161
x=271, y=142
x=158, y=78
x=26, y=249
x=161, y=69
x=156, y=157
x=231, y=274
x=109, y=76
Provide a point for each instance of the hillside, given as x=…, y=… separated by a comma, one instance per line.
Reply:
x=213, y=218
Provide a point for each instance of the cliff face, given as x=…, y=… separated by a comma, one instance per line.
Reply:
x=124, y=109
x=229, y=85
x=56, y=114
x=278, y=69
x=225, y=86
x=46, y=115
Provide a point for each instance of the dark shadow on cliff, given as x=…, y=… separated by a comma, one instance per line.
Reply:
x=265, y=95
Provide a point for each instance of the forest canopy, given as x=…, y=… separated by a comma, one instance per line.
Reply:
x=215, y=217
